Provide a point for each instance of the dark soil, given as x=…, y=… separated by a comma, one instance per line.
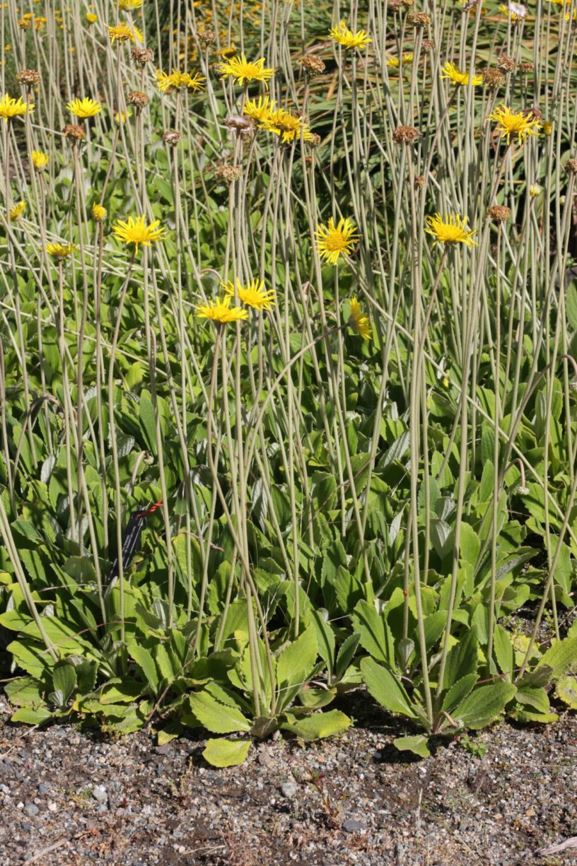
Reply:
x=67, y=799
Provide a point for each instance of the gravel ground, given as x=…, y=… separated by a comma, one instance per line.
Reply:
x=67, y=799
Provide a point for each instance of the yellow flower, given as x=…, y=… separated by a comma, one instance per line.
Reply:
x=221, y=311
x=515, y=11
x=60, y=251
x=450, y=72
x=130, y=4
x=135, y=231
x=349, y=38
x=242, y=70
x=175, y=80
x=17, y=211
x=91, y=18
x=86, y=107
x=10, y=107
x=122, y=116
x=253, y=294
x=124, y=33
x=288, y=126
x=359, y=321
x=515, y=123
x=335, y=240
x=393, y=62
x=451, y=229
x=535, y=190
x=39, y=159
x=98, y=212
x=259, y=109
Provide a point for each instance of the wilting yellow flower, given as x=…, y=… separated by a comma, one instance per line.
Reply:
x=60, y=251
x=17, y=211
x=91, y=18
x=124, y=33
x=175, y=80
x=135, y=231
x=242, y=70
x=515, y=11
x=253, y=294
x=130, y=4
x=349, y=38
x=515, y=123
x=289, y=127
x=336, y=240
x=227, y=51
x=39, y=159
x=393, y=62
x=452, y=73
x=10, y=107
x=535, y=190
x=547, y=127
x=86, y=107
x=221, y=311
x=122, y=116
x=359, y=321
x=98, y=212
x=451, y=229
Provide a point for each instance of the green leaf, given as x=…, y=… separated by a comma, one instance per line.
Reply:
x=25, y=692
x=374, y=632
x=385, y=689
x=461, y=660
x=560, y=656
x=504, y=652
x=459, y=691
x=28, y=716
x=346, y=654
x=147, y=421
x=145, y=661
x=484, y=705
x=63, y=683
x=226, y=753
x=565, y=689
x=319, y=725
x=216, y=717
x=296, y=662
x=418, y=745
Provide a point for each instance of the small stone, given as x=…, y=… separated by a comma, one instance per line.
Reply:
x=31, y=809
x=289, y=789
x=352, y=825
x=43, y=788
x=100, y=793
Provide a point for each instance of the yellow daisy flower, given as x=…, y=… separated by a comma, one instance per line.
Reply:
x=359, y=321
x=10, y=107
x=450, y=229
x=16, y=212
x=515, y=123
x=39, y=159
x=349, y=38
x=253, y=294
x=128, y=5
x=91, y=18
x=98, y=212
x=86, y=107
x=336, y=240
x=60, y=251
x=175, y=80
x=288, y=126
x=452, y=73
x=242, y=70
x=220, y=311
x=259, y=109
x=124, y=33
x=135, y=231
x=122, y=116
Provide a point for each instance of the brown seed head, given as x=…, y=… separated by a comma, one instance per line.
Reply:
x=499, y=213
x=142, y=56
x=73, y=132
x=137, y=98
x=526, y=66
x=420, y=181
x=493, y=78
x=171, y=136
x=420, y=19
x=506, y=63
x=206, y=36
x=405, y=134
x=571, y=166
x=240, y=125
x=313, y=64
x=226, y=171
x=428, y=45
x=29, y=77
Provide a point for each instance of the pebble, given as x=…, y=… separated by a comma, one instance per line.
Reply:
x=31, y=809
x=352, y=825
x=43, y=788
x=100, y=793
x=289, y=789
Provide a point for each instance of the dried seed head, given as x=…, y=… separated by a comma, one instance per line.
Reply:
x=73, y=132
x=506, y=63
x=420, y=181
x=420, y=19
x=571, y=166
x=406, y=134
x=28, y=77
x=206, y=36
x=493, y=78
x=142, y=56
x=137, y=98
x=171, y=136
x=315, y=139
x=240, y=125
x=313, y=64
x=499, y=213
x=226, y=171
x=526, y=66
x=428, y=45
